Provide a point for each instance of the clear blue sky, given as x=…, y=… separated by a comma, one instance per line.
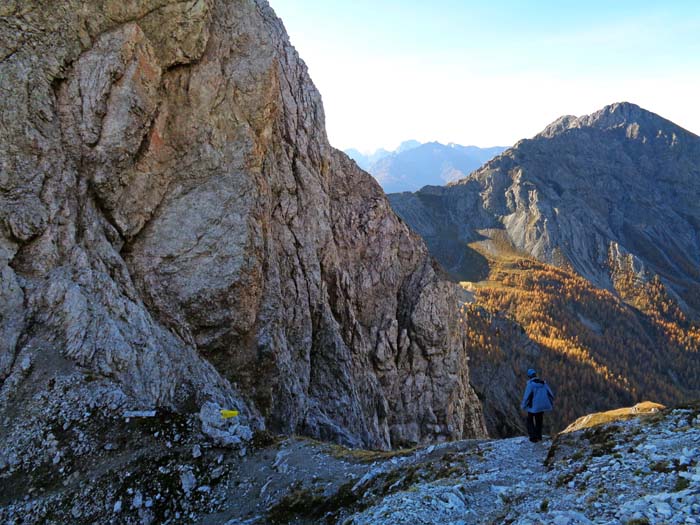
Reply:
x=490, y=73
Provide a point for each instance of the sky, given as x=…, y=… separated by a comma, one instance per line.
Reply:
x=489, y=73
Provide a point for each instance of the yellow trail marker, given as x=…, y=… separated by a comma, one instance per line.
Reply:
x=228, y=414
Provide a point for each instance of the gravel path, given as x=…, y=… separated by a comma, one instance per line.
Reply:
x=641, y=472
x=496, y=468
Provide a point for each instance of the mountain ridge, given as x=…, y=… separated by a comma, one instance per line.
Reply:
x=414, y=165
x=640, y=150
x=612, y=116
x=610, y=198
x=367, y=159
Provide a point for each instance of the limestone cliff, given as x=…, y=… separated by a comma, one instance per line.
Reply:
x=175, y=229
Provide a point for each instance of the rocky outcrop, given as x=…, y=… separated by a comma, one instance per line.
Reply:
x=629, y=468
x=621, y=179
x=640, y=471
x=176, y=229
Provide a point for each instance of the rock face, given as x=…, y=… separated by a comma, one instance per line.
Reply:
x=586, y=191
x=175, y=228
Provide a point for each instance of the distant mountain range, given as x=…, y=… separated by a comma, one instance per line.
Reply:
x=414, y=165
x=587, y=236
x=366, y=161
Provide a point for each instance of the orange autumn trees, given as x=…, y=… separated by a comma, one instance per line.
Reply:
x=599, y=350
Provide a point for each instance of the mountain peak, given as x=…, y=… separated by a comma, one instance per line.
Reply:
x=617, y=115
x=622, y=108
x=620, y=114
x=408, y=145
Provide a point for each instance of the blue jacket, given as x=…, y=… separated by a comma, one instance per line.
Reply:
x=538, y=396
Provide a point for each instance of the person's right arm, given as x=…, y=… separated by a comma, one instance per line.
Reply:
x=528, y=390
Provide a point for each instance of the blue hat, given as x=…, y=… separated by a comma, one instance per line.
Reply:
x=531, y=373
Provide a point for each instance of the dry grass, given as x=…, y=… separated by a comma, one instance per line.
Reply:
x=621, y=414
x=367, y=456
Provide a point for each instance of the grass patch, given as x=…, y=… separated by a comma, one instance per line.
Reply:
x=552, y=452
x=602, y=439
x=367, y=456
x=681, y=484
x=564, y=479
x=646, y=408
x=264, y=439
x=307, y=505
x=639, y=521
x=299, y=502
x=661, y=467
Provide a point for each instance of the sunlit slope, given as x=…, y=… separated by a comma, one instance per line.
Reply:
x=595, y=349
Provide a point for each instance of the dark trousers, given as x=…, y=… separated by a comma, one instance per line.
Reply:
x=534, y=425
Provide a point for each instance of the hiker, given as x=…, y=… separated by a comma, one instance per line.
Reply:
x=537, y=400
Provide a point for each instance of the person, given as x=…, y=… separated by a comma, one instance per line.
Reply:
x=537, y=400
